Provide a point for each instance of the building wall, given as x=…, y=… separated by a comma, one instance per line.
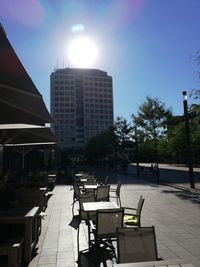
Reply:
x=81, y=104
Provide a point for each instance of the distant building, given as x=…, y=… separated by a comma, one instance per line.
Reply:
x=81, y=104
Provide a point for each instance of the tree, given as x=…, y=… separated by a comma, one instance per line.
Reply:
x=98, y=147
x=151, y=120
x=123, y=133
x=176, y=141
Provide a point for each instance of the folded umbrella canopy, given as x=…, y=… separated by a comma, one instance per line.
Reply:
x=20, y=101
x=25, y=134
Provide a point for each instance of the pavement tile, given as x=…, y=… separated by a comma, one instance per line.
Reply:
x=173, y=212
x=48, y=252
x=49, y=259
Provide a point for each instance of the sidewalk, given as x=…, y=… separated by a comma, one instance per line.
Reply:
x=173, y=175
x=174, y=213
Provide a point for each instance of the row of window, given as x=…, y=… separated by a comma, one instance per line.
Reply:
x=100, y=95
x=96, y=111
x=68, y=90
x=64, y=76
x=58, y=83
x=64, y=91
x=64, y=99
x=107, y=116
x=59, y=100
x=92, y=84
x=87, y=106
x=94, y=89
x=99, y=122
x=90, y=112
x=92, y=131
x=100, y=79
x=93, y=120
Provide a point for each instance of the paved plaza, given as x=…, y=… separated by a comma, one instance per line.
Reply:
x=175, y=214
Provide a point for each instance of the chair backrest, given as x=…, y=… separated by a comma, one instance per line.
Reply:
x=107, y=221
x=139, y=206
x=118, y=188
x=76, y=190
x=102, y=193
x=106, y=180
x=135, y=244
x=90, y=181
x=88, y=197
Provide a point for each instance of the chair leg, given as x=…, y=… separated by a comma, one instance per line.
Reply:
x=73, y=203
x=78, y=248
x=119, y=202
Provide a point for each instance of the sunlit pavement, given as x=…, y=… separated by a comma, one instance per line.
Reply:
x=170, y=174
x=174, y=213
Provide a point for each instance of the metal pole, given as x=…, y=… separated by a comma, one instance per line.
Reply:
x=23, y=155
x=187, y=137
x=136, y=150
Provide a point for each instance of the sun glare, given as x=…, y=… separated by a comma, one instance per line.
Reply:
x=82, y=52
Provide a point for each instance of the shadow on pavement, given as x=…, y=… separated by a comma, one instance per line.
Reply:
x=102, y=257
x=186, y=195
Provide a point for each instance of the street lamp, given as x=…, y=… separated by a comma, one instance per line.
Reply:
x=137, y=156
x=187, y=137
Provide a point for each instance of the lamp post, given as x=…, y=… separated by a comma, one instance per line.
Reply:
x=137, y=156
x=187, y=137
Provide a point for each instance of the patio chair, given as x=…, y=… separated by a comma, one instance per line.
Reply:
x=12, y=251
x=77, y=193
x=83, y=215
x=102, y=193
x=106, y=180
x=115, y=193
x=132, y=216
x=90, y=181
x=107, y=221
x=136, y=244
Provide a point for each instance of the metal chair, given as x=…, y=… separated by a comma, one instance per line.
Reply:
x=102, y=193
x=83, y=215
x=107, y=221
x=132, y=216
x=136, y=244
x=106, y=180
x=116, y=192
x=77, y=193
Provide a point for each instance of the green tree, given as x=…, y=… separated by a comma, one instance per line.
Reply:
x=151, y=120
x=98, y=147
x=122, y=130
x=176, y=141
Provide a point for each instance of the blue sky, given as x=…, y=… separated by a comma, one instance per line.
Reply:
x=149, y=47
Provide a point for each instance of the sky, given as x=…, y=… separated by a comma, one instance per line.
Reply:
x=149, y=47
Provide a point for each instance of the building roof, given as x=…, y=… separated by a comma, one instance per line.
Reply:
x=96, y=72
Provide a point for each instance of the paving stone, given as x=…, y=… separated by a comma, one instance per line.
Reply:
x=173, y=212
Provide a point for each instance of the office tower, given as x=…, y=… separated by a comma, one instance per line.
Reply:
x=81, y=104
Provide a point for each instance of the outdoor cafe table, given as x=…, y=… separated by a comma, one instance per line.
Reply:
x=167, y=263
x=29, y=218
x=90, y=186
x=78, y=175
x=101, y=205
x=94, y=206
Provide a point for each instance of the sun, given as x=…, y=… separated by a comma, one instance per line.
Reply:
x=82, y=52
